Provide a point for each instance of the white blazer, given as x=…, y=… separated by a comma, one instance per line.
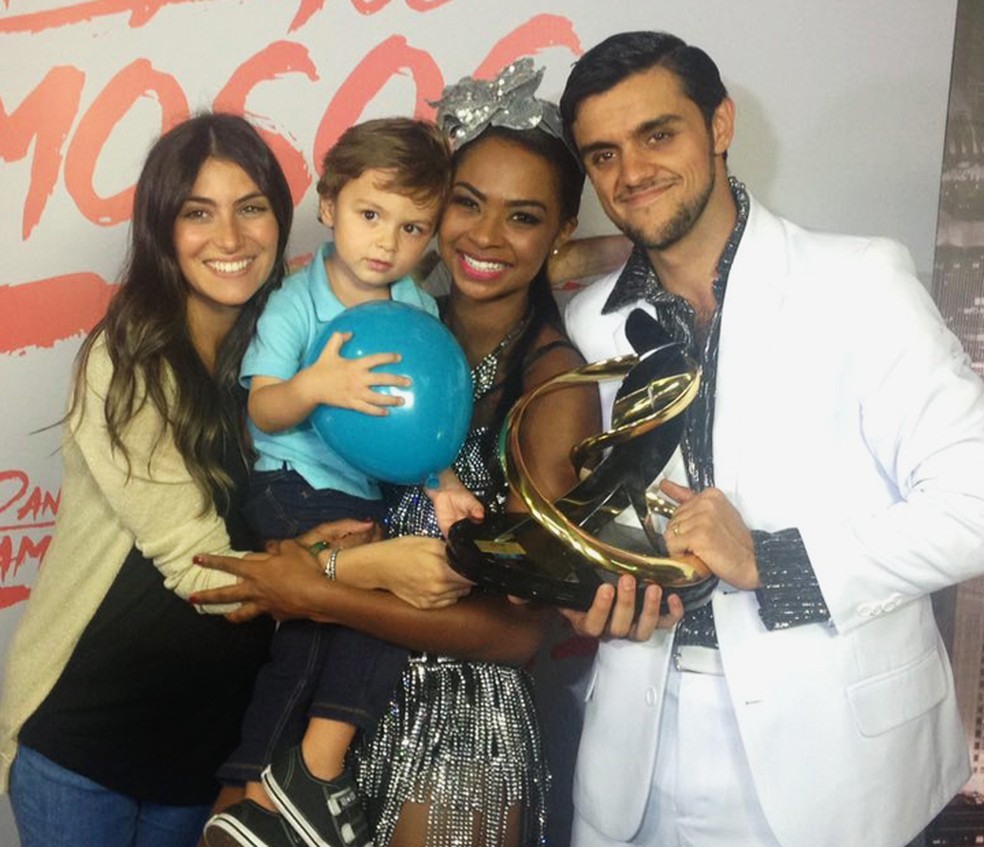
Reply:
x=846, y=409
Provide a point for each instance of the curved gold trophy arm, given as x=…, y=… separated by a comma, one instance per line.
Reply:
x=633, y=415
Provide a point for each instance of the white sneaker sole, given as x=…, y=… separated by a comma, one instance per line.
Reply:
x=231, y=833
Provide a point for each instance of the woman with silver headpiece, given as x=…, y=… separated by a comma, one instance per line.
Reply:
x=457, y=759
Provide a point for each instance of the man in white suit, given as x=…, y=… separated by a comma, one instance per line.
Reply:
x=832, y=477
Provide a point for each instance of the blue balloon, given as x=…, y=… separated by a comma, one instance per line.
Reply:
x=419, y=439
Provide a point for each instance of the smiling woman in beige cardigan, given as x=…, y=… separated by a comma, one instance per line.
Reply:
x=121, y=699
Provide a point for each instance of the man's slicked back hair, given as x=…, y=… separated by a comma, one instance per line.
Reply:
x=620, y=56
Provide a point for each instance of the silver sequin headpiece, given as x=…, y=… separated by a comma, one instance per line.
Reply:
x=470, y=106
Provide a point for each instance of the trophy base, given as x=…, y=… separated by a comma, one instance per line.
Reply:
x=512, y=554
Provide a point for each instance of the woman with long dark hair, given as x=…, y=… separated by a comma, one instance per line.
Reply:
x=120, y=698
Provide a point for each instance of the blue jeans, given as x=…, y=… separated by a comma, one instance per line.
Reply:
x=281, y=504
x=316, y=670
x=56, y=807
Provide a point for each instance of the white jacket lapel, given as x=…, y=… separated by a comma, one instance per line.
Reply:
x=752, y=308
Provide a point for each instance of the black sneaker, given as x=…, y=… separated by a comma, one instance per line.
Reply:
x=247, y=824
x=324, y=814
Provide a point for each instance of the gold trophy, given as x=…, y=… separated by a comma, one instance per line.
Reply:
x=562, y=550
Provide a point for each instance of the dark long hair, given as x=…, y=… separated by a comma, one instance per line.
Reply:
x=542, y=306
x=145, y=326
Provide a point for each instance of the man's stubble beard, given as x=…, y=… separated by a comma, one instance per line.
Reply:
x=679, y=225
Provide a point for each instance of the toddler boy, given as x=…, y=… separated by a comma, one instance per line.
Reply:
x=383, y=187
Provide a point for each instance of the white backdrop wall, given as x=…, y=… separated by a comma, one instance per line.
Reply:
x=841, y=112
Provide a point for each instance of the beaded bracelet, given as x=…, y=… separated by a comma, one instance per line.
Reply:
x=330, y=564
x=316, y=548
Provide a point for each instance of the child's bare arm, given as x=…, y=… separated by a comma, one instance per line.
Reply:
x=331, y=380
x=453, y=502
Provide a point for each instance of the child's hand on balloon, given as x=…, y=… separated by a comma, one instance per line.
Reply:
x=350, y=383
x=401, y=438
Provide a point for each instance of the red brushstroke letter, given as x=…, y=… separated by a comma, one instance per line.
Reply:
x=46, y=114
x=370, y=75
x=276, y=59
x=136, y=80
x=528, y=39
x=37, y=314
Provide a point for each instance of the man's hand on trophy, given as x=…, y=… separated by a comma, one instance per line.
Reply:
x=710, y=527
x=612, y=614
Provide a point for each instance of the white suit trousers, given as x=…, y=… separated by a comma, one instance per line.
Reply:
x=702, y=793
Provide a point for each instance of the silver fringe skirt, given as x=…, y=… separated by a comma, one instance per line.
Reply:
x=462, y=738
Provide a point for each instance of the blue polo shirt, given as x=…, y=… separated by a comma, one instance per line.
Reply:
x=294, y=316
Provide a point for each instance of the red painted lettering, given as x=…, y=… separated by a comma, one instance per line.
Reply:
x=22, y=513
x=370, y=75
x=46, y=116
x=425, y=5
x=21, y=483
x=39, y=504
x=45, y=311
x=11, y=595
x=369, y=7
x=140, y=11
x=528, y=39
x=40, y=313
x=133, y=82
x=364, y=7
x=11, y=561
x=30, y=550
x=304, y=12
x=273, y=61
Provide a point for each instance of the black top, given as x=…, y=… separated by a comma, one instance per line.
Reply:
x=151, y=701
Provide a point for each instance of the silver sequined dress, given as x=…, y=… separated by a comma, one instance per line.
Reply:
x=459, y=737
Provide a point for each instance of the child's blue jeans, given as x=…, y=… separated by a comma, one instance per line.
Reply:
x=316, y=670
